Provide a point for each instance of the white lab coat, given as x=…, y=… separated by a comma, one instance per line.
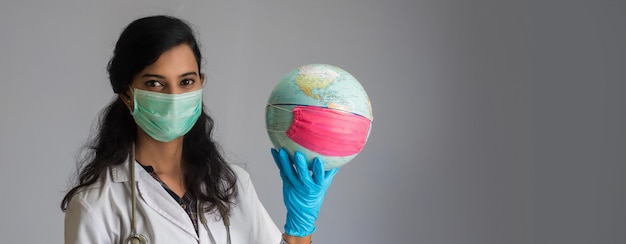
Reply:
x=101, y=213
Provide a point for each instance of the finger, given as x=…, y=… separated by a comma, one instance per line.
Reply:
x=303, y=168
x=330, y=174
x=276, y=161
x=318, y=171
x=285, y=163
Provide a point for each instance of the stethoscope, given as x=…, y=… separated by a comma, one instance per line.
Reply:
x=135, y=238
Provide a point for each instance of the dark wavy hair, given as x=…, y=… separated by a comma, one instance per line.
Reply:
x=206, y=174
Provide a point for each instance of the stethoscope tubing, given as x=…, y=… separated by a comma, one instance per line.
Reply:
x=135, y=238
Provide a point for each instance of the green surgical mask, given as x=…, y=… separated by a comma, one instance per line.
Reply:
x=166, y=117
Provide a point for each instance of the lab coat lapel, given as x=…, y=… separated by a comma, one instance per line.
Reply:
x=160, y=201
x=152, y=193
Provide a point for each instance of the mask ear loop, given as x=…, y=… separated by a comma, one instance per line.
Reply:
x=303, y=107
x=277, y=107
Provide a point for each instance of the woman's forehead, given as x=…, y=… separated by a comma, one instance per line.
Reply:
x=176, y=61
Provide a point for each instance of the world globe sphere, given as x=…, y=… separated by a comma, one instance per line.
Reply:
x=322, y=111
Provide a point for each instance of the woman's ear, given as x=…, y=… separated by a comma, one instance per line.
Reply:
x=127, y=100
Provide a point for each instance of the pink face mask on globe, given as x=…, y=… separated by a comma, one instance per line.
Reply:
x=327, y=131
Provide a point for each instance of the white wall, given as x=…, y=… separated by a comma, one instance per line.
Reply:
x=495, y=121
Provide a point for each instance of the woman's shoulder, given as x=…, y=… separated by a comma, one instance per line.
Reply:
x=98, y=192
x=244, y=182
x=239, y=171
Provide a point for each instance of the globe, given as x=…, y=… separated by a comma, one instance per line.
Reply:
x=321, y=111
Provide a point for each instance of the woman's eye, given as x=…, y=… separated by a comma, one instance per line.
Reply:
x=153, y=83
x=187, y=82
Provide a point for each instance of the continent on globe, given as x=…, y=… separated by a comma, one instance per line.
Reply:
x=312, y=78
x=322, y=111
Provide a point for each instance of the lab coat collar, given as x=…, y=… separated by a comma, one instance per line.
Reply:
x=153, y=194
x=121, y=173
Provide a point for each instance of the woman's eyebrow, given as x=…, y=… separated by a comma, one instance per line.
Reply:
x=153, y=75
x=189, y=73
x=163, y=77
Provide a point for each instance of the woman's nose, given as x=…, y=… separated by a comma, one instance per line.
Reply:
x=172, y=89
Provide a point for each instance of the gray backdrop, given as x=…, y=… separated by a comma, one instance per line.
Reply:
x=495, y=121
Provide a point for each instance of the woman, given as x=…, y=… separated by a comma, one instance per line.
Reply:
x=183, y=190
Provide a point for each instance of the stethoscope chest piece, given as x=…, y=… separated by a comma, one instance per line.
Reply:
x=136, y=239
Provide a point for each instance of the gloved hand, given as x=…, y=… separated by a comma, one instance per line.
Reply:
x=303, y=193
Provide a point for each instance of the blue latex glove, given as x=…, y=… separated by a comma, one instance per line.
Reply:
x=303, y=193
